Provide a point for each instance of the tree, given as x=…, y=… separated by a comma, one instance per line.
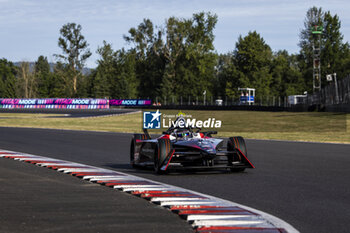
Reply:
x=227, y=79
x=199, y=61
x=43, y=77
x=125, y=80
x=183, y=64
x=8, y=74
x=286, y=76
x=314, y=16
x=149, y=65
x=176, y=31
x=115, y=75
x=142, y=37
x=62, y=79
x=334, y=53
x=189, y=56
x=102, y=82
x=27, y=86
x=253, y=60
x=75, y=51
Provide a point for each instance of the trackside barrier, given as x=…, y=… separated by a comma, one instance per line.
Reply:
x=55, y=103
x=67, y=103
x=130, y=102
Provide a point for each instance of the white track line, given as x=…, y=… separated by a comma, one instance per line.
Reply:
x=83, y=169
x=216, y=217
x=189, y=203
x=108, y=178
x=60, y=164
x=142, y=189
x=96, y=178
x=240, y=223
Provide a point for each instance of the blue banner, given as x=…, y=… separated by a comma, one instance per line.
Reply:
x=247, y=98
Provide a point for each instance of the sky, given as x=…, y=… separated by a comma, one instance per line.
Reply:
x=29, y=29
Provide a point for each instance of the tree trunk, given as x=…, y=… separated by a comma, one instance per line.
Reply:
x=75, y=85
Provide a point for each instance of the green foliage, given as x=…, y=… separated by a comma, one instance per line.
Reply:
x=252, y=53
x=253, y=59
x=286, y=76
x=43, y=77
x=183, y=64
x=115, y=75
x=74, y=46
x=314, y=16
x=75, y=52
x=178, y=59
x=142, y=37
x=26, y=81
x=104, y=72
x=198, y=63
x=8, y=74
x=334, y=53
x=63, y=78
x=126, y=83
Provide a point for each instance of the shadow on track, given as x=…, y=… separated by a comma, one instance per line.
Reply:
x=126, y=167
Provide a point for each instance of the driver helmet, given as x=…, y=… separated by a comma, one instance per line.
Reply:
x=183, y=135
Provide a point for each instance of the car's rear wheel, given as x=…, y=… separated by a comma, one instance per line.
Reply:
x=163, y=149
x=233, y=144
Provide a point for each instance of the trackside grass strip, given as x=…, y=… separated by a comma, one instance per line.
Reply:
x=303, y=126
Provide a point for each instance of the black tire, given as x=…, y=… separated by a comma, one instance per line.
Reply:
x=132, y=147
x=163, y=149
x=233, y=144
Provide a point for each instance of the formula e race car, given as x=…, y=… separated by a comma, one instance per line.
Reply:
x=188, y=148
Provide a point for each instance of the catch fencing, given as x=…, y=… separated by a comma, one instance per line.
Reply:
x=336, y=93
x=275, y=101
x=333, y=97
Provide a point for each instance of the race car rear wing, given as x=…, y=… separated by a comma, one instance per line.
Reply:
x=209, y=133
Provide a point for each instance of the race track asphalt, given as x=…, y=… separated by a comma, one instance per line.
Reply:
x=305, y=184
x=35, y=199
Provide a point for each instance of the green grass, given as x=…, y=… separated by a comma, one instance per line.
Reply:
x=304, y=126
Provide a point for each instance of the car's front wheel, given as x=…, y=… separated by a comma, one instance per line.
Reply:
x=132, y=153
x=235, y=144
x=162, y=151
